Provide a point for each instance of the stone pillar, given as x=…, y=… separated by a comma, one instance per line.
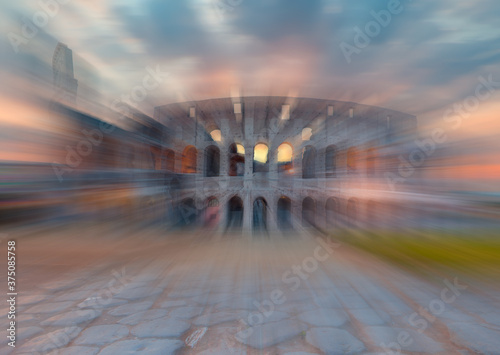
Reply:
x=272, y=213
x=227, y=140
x=249, y=145
x=247, y=212
x=273, y=165
x=222, y=214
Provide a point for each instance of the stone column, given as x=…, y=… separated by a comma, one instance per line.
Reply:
x=272, y=221
x=223, y=200
x=247, y=212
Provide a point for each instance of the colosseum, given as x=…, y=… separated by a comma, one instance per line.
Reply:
x=268, y=164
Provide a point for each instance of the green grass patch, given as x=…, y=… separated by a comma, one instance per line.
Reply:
x=466, y=252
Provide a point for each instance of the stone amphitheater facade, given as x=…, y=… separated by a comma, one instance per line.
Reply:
x=342, y=153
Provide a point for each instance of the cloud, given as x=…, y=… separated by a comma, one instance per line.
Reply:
x=427, y=56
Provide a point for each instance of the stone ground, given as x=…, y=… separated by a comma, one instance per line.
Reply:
x=106, y=290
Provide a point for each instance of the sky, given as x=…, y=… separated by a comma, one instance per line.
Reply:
x=420, y=57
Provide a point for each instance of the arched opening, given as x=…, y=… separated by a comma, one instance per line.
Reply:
x=260, y=158
x=168, y=160
x=308, y=162
x=352, y=159
x=308, y=212
x=188, y=213
x=284, y=213
x=371, y=162
x=260, y=214
x=216, y=135
x=352, y=212
x=285, y=158
x=212, y=161
x=236, y=160
x=212, y=212
x=235, y=213
x=332, y=211
x=306, y=134
x=331, y=161
x=189, y=160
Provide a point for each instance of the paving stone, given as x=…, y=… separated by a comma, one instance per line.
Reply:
x=73, y=296
x=135, y=284
x=269, y=334
x=76, y=350
x=238, y=303
x=222, y=341
x=456, y=315
x=211, y=299
x=352, y=301
x=367, y=316
x=27, y=332
x=138, y=293
x=325, y=299
x=148, y=276
x=102, y=334
x=480, y=339
x=186, y=312
x=173, y=303
x=164, y=327
x=334, y=341
x=6, y=350
x=72, y=318
x=324, y=317
x=93, y=286
x=219, y=317
x=24, y=318
x=53, y=340
x=100, y=302
x=492, y=317
x=60, y=285
x=49, y=307
x=187, y=293
x=393, y=307
x=298, y=295
x=31, y=299
x=131, y=308
x=417, y=342
x=139, y=317
x=222, y=350
x=275, y=316
x=296, y=307
x=143, y=346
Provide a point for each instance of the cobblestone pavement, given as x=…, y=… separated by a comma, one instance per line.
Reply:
x=195, y=294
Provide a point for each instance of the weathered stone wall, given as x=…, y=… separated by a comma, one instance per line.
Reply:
x=369, y=138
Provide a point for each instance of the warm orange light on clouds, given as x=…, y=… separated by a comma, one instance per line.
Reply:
x=470, y=172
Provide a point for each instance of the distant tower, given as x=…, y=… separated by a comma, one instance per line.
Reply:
x=65, y=83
